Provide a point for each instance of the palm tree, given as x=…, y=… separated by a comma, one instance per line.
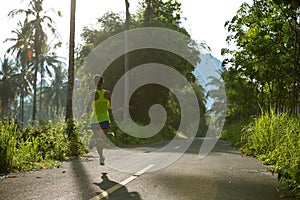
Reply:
x=23, y=43
x=48, y=61
x=55, y=95
x=24, y=90
x=8, y=83
x=40, y=18
x=126, y=83
x=75, y=146
x=69, y=112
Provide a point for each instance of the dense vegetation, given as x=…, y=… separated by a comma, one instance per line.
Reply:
x=261, y=75
x=35, y=84
x=263, y=71
x=275, y=140
x=262, y=78
x=35, y=147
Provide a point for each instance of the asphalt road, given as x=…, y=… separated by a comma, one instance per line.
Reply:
x=222, y=175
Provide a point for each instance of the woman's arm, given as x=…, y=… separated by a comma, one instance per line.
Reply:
x=91, y=99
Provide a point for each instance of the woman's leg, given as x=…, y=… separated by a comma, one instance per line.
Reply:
x=96, y=136
x=102, y=136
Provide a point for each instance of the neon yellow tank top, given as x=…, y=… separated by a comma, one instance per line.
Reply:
x=100, y=109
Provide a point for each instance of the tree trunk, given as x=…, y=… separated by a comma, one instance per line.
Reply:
x=127, y=15
x=296, y=66
x=148, y=12
x=69, y=112
x=37, y=53
x=22, y=96
x=126, y=69
x=41, y=90
x=22, y=107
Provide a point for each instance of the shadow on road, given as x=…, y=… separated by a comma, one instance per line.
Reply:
x=120, y=194
x=219, y=186
x=82, y=180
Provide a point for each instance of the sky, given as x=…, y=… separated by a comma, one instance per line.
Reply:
x=204, y=19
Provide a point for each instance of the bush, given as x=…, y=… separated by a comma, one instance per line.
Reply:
x=27, y=154
x=8, y=135
x=232, y=131
x=37, y=147
x=53, y=142
x=76, y=147
x=275, y=139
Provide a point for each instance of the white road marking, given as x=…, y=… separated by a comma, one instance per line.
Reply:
x=143, y=170
x=123, y=183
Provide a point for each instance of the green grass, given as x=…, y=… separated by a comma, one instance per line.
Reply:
x=41, y=146
x=275, y=140
x=37, y=147
x=8, y=136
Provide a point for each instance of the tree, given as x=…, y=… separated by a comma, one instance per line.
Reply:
x=127, y=21
x=290, y=9
x=148, y=12
x=161, y=13
x=241, y=95
x=8, y=83
x=37, y=18
x=48, y=62
x=265, y=55
x=69, y=112
x=55, y=95
x=126, y=82
x=23, y=43
x=167, y=15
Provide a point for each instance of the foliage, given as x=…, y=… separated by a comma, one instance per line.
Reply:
x=163, y=14
x=274, y=138
x=23, y=41
x=232, y=130
x=31, y=45
x=262, y=73
x=240, y=102
x=8, y=83
x=54, y=95
x=84, y=132
x=8, y=135
x=266, y=60
x=160, y=13
x=76, y=147
x=37, y=147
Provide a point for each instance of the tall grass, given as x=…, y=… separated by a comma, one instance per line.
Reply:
x=36, y=147
x=7, y=145
x=275, y=139
x=27, y=154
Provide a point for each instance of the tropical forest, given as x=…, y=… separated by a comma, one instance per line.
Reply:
x=44, y=95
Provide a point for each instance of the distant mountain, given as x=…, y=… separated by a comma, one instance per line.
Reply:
x=207, y=58
x=208, y=66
